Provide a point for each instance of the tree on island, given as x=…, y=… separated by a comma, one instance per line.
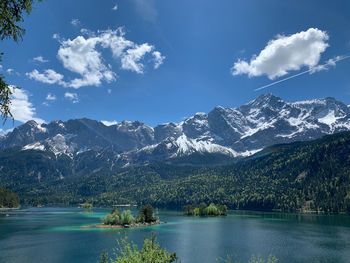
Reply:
x=87, y=205
x=146, y=215
x=112, y=218
x=127, y=218
x=116, y=218
x=204, y=210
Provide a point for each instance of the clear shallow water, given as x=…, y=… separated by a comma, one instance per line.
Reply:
x=54, y=235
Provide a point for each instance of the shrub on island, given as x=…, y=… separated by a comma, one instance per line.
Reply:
x=87, y=205
x=204, y=210
x=145, y=216
x=112, y=218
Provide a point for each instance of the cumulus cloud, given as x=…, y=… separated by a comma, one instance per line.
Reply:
x=21, y=108
x=330, y=63
x=49, y=76
x=109, y=123
x=73, y=97
x=40, y=59
x=115, y=7
x=284, y=54
x=83, y=57
x=132, y=57
x=158, y=59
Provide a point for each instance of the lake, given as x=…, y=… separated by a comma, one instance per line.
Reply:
x=55, y=235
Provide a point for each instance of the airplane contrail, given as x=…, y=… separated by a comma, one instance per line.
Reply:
x=330, y=62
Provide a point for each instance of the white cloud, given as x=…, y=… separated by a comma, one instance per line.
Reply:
x=73, y=97
x=40, y=59
x=132, y=57
x=87, y=32
x=332, y=62
x=75, y=22
x=158, y=59
x=285, y=54
x=115, y=7
x=82, y=56
x=116, y=41
x=21, y=108
x=109, y=123
x=51, y=97
x=56, y=36
x=321, y=67
x=49, y=76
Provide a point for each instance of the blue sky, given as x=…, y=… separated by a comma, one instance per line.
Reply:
x=160, y=61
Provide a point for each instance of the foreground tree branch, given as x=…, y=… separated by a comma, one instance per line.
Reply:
x=11, y=15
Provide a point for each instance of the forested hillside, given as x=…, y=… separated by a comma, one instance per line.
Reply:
x=311, y=175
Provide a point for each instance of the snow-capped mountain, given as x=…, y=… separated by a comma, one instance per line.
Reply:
x=231, y=132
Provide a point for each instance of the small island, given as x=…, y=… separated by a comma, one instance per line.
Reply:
x=125, y=219
x=204, y=210
x=87, y=206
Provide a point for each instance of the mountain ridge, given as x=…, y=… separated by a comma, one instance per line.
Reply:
x=235, y=132
x=303, y=163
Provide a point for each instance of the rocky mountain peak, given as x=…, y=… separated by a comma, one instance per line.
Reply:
x=238, y=131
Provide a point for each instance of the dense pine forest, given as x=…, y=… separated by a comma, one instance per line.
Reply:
x=305, y=176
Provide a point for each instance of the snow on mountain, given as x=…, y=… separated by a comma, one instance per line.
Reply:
x=329, y=119
x=188, y=146
x=232, y=132
x=34, y=146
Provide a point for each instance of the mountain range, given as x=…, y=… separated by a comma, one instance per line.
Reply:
x=71, y=161
x=228, y=132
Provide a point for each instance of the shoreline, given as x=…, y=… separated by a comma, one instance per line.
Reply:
x=299, y=211
x=4, y=209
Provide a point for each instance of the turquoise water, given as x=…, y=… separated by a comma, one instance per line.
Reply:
x=54, y=235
